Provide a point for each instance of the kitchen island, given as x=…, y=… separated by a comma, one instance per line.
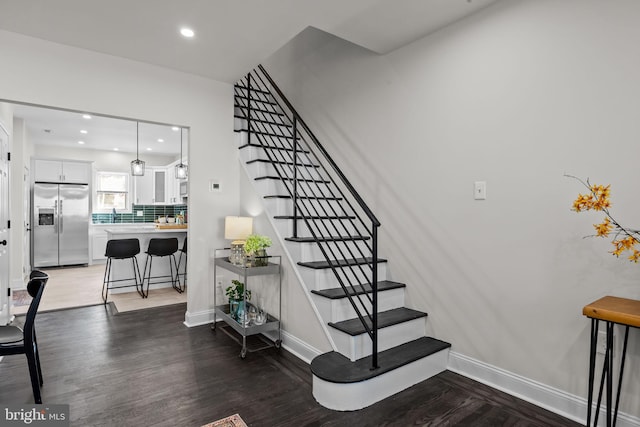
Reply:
x=121, y=269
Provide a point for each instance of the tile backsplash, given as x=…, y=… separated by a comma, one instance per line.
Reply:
x=149, y=214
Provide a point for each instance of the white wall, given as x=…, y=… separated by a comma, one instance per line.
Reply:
x=297, y=318
x=516, y=96
x=19, y=193
x=112, y=161
x=44, y=73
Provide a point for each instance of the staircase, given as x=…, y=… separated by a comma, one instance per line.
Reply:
x=380, y=346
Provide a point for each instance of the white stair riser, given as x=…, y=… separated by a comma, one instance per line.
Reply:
x=358, y=395
x=324, y=278
x=339, y=250
x=267, y=169
x=310, y=251
x=279, y=206
x=241, y=124
x=320, y=227
x=276, y=186
x=279, y=139
x=251, y=152
x=336, y=310
x=269, y=187
x=357, y=347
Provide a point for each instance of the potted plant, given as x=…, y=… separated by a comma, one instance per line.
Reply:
x=256, y=249
x=236, y=294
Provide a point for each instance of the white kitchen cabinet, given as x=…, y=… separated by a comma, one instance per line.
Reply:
x=99, y=245
x=64, y=171
x=144, y=188
x=151, y=188
x=173, y=185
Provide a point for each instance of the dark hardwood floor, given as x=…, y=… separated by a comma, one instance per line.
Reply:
x=145, y=368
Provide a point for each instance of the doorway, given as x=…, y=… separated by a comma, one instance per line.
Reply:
x=5, y=294
x=109, y=144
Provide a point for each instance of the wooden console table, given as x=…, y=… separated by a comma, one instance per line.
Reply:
x=612, y=310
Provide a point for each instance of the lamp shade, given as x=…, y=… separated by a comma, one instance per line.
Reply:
x=237, y=227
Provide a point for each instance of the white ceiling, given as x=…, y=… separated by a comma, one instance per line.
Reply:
x=232, y=37
x=63, y=129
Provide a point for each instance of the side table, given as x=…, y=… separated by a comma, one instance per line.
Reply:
x=612, y=310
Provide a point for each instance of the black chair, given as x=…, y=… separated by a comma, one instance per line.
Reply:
x=183, y=251
x=122, y=249
x=162, y=248
x=14, y=340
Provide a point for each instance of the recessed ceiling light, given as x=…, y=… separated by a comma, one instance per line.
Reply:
x=187, y=32
x=115, y=149
x=175, y=128
x=83, y=131
x=149, y=148
x=86, y=116
x=160, y=140
x=81, y=142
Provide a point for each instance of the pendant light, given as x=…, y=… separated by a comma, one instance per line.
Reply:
x=137, y=165
x=181, y=169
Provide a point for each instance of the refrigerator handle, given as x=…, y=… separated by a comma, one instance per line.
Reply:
x=60, y=218
x=55, y=217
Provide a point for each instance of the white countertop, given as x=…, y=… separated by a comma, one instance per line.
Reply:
x=144, y=230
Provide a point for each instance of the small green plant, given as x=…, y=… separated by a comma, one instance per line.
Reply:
x=256, y=242
x=236, y=291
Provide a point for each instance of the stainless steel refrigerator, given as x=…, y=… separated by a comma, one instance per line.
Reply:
x=60, y=224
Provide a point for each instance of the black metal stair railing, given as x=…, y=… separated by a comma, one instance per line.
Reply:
x=322, y=198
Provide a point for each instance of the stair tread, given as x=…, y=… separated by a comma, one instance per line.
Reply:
x=285, y=196
x=338, y=263
x=391, y=317
x=264, y=101
x=336, y=368
x=339, y=293
x=286, y=178
x=259, y=132
x=253, y=89
x=271, y=147
x=260, y=110
x=279, y=162
x=311, y=239
x=300, y=217
x=255, y=119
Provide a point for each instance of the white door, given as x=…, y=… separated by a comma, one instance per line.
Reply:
x=26, y=244
x=5, y=297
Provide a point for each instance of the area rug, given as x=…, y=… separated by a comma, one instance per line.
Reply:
x=232, y=421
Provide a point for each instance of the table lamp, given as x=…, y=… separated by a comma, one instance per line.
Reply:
x=237, y=229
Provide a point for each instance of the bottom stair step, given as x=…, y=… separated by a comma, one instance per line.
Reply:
x=342, y=385
x=336, y=368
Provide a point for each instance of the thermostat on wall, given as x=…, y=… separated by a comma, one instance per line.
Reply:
x=214, y=186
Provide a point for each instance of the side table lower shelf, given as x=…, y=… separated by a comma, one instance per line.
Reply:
x=271, y=324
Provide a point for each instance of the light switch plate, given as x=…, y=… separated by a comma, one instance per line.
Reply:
x=480, y=190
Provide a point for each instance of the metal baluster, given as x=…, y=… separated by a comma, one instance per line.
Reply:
x=295, y=177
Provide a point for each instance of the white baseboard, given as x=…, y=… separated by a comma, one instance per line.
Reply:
x=554, y=400
x=198, y=318
x=296, y=346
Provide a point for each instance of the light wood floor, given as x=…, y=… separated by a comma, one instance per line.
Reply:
x=82, y=286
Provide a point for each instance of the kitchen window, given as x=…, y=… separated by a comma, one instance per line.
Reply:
x=112, y=191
